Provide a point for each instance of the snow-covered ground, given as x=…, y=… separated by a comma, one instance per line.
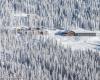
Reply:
x=77, y=42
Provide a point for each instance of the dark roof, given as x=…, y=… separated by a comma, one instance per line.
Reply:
x=63, y=32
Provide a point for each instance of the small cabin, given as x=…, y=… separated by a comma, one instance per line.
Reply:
x=66, y=33
x=39, y=31
x=70, y=33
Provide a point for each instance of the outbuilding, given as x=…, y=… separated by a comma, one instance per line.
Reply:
x=66, y=33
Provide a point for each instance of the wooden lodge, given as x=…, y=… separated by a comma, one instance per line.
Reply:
x=66, y=33
x=70, y=33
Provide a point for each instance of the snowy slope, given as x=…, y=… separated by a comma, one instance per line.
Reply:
x=77, y=42
x=74, y=42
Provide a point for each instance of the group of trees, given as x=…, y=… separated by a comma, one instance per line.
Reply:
x=54, y=14
x=33, y=57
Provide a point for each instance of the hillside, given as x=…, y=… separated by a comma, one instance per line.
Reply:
x=35, y=44
x=52, y=14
